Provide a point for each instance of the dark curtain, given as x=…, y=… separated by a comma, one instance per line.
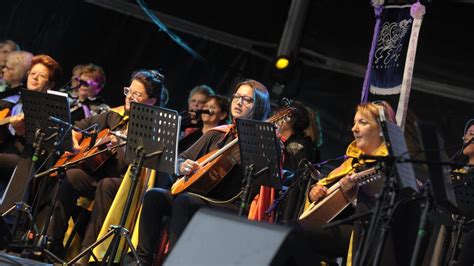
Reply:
x=75, y=32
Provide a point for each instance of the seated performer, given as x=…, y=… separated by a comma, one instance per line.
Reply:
x=6, y=47
x=15, y=72
x=250, y=100
x=101, y=184
x=466, y=174
x=368, y=141
x=218, y=107
x=196, y=100
x=42, y=75
x=298, y=146
x=86, y=102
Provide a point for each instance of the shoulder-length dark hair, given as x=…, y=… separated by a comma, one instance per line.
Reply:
x=153, y=81
x=261, y=104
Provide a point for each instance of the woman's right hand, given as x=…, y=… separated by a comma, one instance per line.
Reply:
x=18, y=123
x=187, y=167
x=317, y=192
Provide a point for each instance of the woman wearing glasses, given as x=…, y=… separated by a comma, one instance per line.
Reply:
x=102, y=184
x=250, y=100
x=42, y=75
x=88, y=82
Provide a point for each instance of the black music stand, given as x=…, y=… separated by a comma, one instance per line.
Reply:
x=398, y=176
x=152, y=142
x=259, y=153
x=441, y=190
x=44, y=136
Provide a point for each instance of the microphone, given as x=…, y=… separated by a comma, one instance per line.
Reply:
x=313, y=172
x=66, y=124
x=377, y=157
x=465, y=144
x=88, y=83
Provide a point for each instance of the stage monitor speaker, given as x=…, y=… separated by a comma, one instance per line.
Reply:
x=218, y=238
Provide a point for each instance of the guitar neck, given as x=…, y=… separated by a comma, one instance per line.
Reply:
x=5, y=121
x=218, y=153
x=356, y=176
x=273, y=119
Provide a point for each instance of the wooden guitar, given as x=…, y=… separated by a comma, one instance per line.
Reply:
x=4, y=118
x=215, y=165
x=90, y=158
x=324, y=210
x=4, y=131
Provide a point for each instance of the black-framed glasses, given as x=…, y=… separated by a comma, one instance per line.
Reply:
x=135, y=95
x=245, y=99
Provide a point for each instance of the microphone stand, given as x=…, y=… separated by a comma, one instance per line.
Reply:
x=23, y=206
x=303, y=176
x=422, y=225
x=120, y=230
x=249, y=176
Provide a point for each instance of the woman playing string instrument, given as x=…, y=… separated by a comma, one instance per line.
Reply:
x=368, y=140
x=101, y=184
x=41, y=75
x=250, y=100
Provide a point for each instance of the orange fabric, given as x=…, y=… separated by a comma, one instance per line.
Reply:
x=260, y=204
x=265, y=198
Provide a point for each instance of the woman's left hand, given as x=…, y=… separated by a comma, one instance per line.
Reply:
x=349, y=186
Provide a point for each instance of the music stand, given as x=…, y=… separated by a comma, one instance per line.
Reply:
x=152, y=131
x=397, y=147
x=440, y=181
x=441, y=188
x=258, y=153
x=38, y=107
x=399, y=175
x=43, y=135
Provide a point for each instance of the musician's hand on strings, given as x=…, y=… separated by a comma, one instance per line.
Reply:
x=349, y=186
x=317, y=192
x=18, y=123
x=114, y=140
x=188, y=166
x=76, y=137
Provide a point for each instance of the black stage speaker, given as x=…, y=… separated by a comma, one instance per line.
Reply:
x=218, y=238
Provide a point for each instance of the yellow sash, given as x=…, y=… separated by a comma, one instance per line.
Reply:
x=145, y=182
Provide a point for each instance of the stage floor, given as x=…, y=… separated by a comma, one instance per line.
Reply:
x=15, y=259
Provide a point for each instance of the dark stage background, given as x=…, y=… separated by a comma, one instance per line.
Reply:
x=77, y=32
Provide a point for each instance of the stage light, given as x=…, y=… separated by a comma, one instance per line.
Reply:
x=289, y=42
x=282, y=63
